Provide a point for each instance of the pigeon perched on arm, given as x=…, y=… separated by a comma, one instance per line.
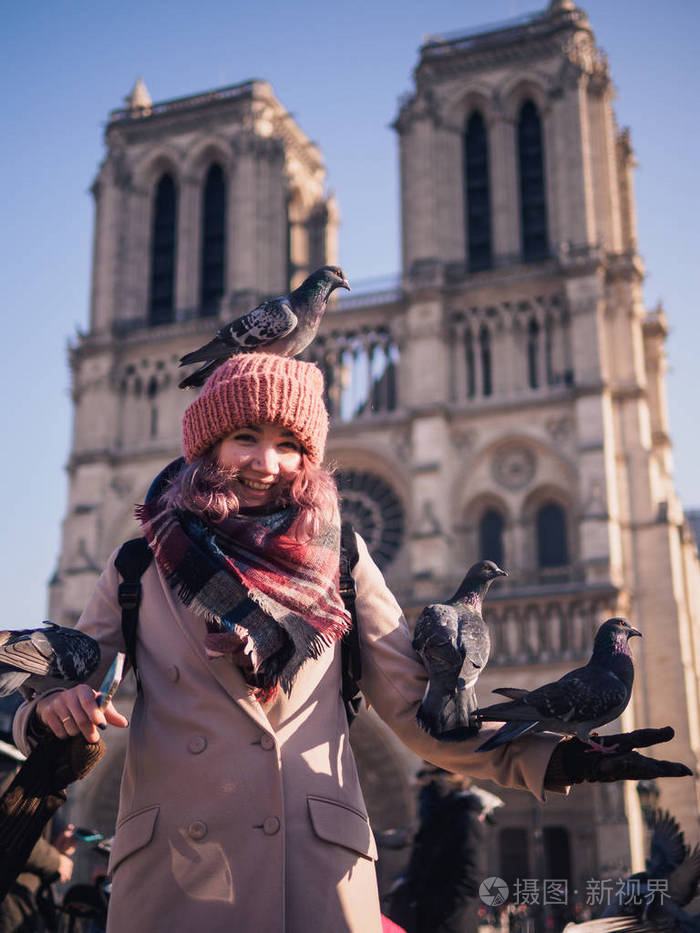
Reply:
x=284, y=325
x=51, y=652
x=453, y=642
x=578, y=702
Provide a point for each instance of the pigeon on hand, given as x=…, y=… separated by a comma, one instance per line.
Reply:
x=51, y=652
x=284, y=325
x=653, y=900
x=453, y=642
x=578, y=702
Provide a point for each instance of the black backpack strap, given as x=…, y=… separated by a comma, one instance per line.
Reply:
x=351, y=658
x=132, y=561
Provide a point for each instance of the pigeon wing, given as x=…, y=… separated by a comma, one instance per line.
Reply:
x=577, y=697
x=667, y=846
x=435, y=638
x=474, y=637
x=27, y=651
x=683, y=881
x=265, y=324
x=582, y=696
x=611, y=925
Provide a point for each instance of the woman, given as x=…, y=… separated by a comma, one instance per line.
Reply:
x=240, y=805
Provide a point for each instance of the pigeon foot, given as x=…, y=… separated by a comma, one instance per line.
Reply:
x=599, y=747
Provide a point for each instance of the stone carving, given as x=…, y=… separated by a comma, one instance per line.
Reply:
x=513, y=466
x=559, y=429
x=375, y=511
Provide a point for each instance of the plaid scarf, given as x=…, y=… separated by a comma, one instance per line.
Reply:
x=270, y=602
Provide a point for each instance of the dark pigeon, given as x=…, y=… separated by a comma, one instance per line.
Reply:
x=577, y=703
x=654, y=899
x=284, y=325
x=52, y=652
x=453, y=642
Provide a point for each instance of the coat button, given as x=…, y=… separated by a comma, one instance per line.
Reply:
x=267, y=741
x=271, y=825
x=197, y=744
x=173, y=674
x=197, y=829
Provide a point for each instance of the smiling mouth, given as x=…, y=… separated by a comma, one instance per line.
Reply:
x=253, y=484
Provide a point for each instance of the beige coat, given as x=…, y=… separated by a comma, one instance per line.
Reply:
x=241, y=818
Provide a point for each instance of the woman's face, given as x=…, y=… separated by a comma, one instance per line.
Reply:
x=263, y=454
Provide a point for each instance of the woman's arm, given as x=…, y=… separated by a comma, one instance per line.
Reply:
x=68, y=712
x=394, y=681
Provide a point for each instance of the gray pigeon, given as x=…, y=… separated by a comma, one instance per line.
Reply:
x=658, y=895
x=653, y=900
x=51, y=652
x=578, y=702
x=453, y=642
x=284, y=325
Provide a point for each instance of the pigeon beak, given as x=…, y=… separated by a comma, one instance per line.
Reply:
x=634, y=631
x=502, y=573
x=345, y=284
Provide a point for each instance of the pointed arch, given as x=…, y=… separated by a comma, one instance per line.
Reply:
x=161, y=302
x=533, y=353
x=491, y=528
x=477, y=193
x=552, y=548
x=213, y=246
x=533, y=207
x=485, y=351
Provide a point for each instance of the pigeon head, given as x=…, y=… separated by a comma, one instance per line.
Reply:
x=321, y=283
x=612, y=637
x=485, y=571
x=334, y=275
x=478, y=579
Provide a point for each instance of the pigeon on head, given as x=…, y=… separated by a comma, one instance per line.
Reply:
x=578, y=702
x=453, y=641
x=284, y=325
x=53, y=652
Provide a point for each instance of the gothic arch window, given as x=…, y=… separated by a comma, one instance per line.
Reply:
x=491, y=529
x=552, y=550
x=533, y=353
x=533, y=208
x=213, y=241
x=485, y=350
x=162, y=296
x=151, y=393
x=469, y=355
x=550, y=374
x=478, y=199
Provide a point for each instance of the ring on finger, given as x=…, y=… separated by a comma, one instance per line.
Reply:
x=66, y=719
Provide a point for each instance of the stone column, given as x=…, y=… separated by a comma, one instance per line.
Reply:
x=243, y=241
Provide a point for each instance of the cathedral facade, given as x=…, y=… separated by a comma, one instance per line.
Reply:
x=504, y=399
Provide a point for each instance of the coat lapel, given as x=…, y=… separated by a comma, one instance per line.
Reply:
x=222, y=670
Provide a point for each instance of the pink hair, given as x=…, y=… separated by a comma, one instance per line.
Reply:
x=205, y=487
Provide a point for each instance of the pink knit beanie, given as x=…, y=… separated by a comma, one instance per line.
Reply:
x=255, y=388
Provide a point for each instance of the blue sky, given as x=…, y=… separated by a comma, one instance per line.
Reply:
x=339, y=69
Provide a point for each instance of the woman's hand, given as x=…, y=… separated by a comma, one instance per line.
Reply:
x=75, y=711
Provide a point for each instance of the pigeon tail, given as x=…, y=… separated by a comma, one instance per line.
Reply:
x=512, y=730
x=199, y=376
x=448, y=718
